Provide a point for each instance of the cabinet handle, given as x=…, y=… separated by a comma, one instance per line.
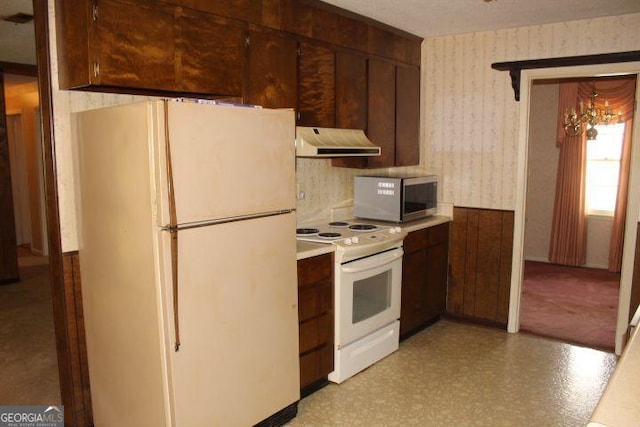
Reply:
x=95, y=13
x=96, y=69
x=247, y=41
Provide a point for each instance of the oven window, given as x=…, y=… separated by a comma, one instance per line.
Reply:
x=371, y=296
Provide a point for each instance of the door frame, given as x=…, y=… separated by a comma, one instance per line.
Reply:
x=633, y=202
x=69, y=342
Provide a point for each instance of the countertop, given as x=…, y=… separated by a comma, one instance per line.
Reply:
x=310, y=249
x=618, y=406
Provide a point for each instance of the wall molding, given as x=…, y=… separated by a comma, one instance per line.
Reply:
x=515, y=67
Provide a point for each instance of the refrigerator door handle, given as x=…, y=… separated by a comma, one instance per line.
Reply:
x=173, y=228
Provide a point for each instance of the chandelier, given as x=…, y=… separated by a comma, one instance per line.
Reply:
x=577, y=121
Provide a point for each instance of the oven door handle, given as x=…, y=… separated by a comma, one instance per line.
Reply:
x=389, y=258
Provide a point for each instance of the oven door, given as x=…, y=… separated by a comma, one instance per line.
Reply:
x=368, y=295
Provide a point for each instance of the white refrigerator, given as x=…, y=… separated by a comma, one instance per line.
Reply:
x=188, y=263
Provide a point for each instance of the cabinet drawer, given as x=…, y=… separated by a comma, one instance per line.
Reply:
x=315, y=332
x=314, y=269
x=415, y=241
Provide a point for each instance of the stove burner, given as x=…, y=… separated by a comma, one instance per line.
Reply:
x=363, y=227
x=306, y=231
x=329, y=235
x=338, y=224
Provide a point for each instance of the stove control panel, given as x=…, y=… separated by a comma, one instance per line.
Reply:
x=368, y=238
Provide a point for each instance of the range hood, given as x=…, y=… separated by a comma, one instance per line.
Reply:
x=329, y=142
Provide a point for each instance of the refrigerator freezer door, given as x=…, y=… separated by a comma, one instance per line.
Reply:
x=238, y=362
x=226, y=161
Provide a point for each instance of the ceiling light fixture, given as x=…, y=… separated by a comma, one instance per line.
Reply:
x=18, y=18
x=577, y=120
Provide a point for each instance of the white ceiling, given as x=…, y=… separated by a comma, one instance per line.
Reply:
x=17, y=41
x=429, y=18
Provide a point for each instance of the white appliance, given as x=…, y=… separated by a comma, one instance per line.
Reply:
x=368, y=280
x=330, y=142
x=188, y=264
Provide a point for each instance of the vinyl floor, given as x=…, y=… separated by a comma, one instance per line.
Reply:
x=455, y=374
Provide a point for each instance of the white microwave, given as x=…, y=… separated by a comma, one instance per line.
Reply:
x=395, y=198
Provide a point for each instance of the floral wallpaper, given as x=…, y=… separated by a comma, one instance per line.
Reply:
x=470, y=114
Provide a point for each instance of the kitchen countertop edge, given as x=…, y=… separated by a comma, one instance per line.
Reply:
x=618, y=405
x=311, y=249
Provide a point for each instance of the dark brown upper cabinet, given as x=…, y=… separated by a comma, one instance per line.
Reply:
x=130, y=45
x=333, y=68
x=272, y=70
x=210, y=54
x=381, y=114
x=390, y=106
x=351, y=100
x=316, y=87
x=407, y=116
x=380, y=94
x=351, y=91
x=125, y=46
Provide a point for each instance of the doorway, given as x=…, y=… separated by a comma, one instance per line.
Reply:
x=30, y=365
x=528, y=77
x=573, y=303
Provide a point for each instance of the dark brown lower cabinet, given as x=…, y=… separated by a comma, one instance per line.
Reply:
x=315, y=317
x=424, y=278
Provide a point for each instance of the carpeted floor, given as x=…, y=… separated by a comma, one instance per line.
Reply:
x=574, y=304
x=28, y=362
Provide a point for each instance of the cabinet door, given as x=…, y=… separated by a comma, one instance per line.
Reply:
x=414, y=291
x=316, y=97
x=407, y=116
x=351, y=91
x=211, y=54
x=437, y=268
x=381, y=111
x=133, y=45
x=351, y=100
x=272, y=70
x=315, y=317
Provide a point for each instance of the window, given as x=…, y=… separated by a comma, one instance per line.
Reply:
x=603, y=168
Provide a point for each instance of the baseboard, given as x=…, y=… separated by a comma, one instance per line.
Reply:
x=536, y=259
x=546, y=261
x=281, y=417
x=475, y=320
x=313, y=387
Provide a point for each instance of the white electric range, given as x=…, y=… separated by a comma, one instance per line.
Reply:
x=368, y=279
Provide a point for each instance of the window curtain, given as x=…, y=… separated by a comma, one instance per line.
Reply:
x=568, y=231
x=621, y=96
x=569, y=223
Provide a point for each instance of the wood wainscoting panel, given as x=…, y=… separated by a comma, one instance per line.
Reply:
x=480, y=264
x=76, y=336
